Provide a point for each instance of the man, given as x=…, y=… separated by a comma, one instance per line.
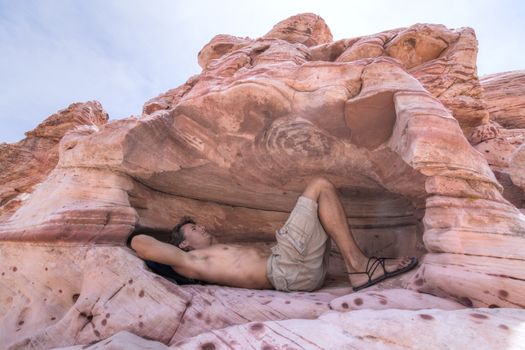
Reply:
x=299, y=261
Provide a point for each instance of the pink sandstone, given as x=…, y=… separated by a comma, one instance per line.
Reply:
x=504, y=95
x=398, y=120
x=368, y=329
x=363, y=329
x=26, y=163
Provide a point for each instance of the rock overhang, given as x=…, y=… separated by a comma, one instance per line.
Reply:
x=235, y=145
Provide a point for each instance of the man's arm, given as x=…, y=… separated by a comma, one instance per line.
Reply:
x=149, y=248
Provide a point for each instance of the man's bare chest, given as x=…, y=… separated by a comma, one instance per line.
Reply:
x=230, y=254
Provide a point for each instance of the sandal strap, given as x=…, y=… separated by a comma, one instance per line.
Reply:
x=371, y=267
x=377, y=262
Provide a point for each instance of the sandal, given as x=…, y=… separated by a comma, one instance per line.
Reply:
x=371, y=266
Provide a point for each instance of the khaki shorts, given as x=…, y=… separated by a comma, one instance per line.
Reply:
x=299, y=261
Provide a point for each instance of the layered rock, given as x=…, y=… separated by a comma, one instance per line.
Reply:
x=26, y=163
x=501, y=148
x=387, y=118
x=517, y=168
x=504, y=94
x=505, y=98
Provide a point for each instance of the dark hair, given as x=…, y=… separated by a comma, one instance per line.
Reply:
x=177, y=236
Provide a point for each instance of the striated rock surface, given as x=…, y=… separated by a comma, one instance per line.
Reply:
x=504, y=94
x=26, y=163
x=307, y=29
x=396, y=120
x=517, y=170
x=501, y=148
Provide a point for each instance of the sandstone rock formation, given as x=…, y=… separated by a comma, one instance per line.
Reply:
x=364, y=329
x=392, y=119
x=504, y=94
x=26, y=163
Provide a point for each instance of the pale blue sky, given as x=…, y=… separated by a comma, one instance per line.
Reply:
x=124, y=52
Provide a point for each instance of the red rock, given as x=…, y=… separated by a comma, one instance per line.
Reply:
x=307, y=29
x=387, y=118
x=219, y=46
x=26, y=163
x=504, y=94
x=517, y=168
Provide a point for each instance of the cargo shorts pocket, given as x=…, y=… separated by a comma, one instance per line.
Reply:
x=295, y=236
x=281, y=284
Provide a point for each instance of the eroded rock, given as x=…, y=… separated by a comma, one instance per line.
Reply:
x=26, y=163
x=388, y=118
x=64, y=294
x=392, y=299
x=504, y=94
x=429, y=329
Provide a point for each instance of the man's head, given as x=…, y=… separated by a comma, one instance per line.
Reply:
x=187, y=235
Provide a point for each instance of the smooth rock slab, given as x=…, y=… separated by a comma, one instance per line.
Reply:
x=386, y=329
x=120, y=341
x=392, y=299
x=504, y=94
x=54, y=295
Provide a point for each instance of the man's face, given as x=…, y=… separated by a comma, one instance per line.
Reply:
x=196, y=237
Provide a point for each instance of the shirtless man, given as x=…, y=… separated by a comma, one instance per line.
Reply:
x=299, y=261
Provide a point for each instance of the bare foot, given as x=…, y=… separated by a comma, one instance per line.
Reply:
x=376, y=273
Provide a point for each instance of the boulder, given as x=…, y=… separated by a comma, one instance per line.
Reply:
x=307, y=29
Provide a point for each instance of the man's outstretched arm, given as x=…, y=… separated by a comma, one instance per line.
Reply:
x=149, y=248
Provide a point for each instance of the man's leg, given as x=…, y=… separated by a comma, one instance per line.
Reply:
x=333, y=218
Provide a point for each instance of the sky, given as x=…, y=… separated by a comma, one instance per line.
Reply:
x=125, y=52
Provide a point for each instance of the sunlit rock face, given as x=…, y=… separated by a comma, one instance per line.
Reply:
x=500, y=141
x=504, y=96
x=366, y=329
x=392, y=119
x=26, y=163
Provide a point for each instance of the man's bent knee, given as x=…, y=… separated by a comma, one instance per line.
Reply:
x=321, y=182
x=316, y=186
